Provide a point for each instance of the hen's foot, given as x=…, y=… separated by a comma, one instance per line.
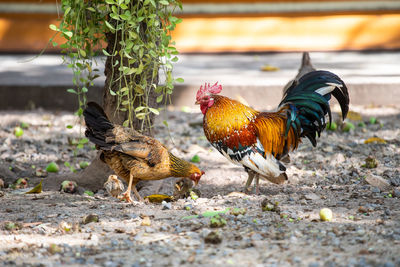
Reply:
x=126, y=196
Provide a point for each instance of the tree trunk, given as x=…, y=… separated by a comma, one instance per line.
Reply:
x=94, y=176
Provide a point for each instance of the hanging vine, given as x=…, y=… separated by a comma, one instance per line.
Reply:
x=142, y=49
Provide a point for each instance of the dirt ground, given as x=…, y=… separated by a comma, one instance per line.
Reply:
x=53, y=228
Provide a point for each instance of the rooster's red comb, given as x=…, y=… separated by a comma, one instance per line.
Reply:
x=209, y=89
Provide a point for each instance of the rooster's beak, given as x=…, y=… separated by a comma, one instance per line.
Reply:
x=197, y=102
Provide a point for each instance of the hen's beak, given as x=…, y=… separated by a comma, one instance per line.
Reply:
x=197, y=102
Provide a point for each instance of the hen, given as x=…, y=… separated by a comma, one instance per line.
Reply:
x=131, y=155
x=261, y=140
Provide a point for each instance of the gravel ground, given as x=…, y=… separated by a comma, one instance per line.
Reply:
x=51, y=228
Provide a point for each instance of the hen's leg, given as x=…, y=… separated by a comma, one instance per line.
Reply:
x=138, y=197
x=127, y=194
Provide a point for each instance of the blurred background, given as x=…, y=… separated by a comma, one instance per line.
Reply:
x=241, y=43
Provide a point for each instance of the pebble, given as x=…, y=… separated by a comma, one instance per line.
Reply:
x=166, y=205
x=150, y=230
x=396, y=192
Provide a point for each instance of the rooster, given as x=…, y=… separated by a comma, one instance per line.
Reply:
x=131, y=155
x=261, y=140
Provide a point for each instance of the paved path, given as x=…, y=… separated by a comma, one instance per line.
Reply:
x=366, y=73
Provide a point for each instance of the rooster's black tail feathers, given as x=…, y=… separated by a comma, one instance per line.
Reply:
x=308, y=102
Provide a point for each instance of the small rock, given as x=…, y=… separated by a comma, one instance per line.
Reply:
x=188, y=206
x=213, y=238
x=303, y=202
x=166, y=205
x=311, y=196
x=217, y=221
x=362, y=209
x=149, y=230
x=396, y=192
x=378, y=182
x=90, y=218
x=267, y=205
x=375, y=190
x=146, y=221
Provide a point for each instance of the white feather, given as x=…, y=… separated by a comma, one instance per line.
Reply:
x=266, y=166
x=325, y=90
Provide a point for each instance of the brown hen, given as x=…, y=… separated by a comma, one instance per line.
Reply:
x=131, y=155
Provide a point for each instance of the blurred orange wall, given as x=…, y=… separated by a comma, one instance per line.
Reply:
x=234, y=33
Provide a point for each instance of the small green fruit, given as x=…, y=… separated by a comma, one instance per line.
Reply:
x=372, y=120
x=24, y=125
x=331, y=126
x=52, y=167
x=195, y=159
x=361, y=124
x=193, y=195
x=325, y=214
x=68, y=187
x=347, y=126
x=83, y=164
x=18, y=131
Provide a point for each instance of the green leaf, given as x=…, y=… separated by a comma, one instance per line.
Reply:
x=112, y=93
x=159, y=98
x=67, y=11
x=155, y=111
x=69, y=126
x=89, y=193
x=140, y=68
x=139, y=108
x=83, y=141
x=106, y=53
x=109, y=26
x=164, y=2
x=68, y=33
x=91, y=9
x=53, y=27
x=72, y=91
x=37, y=189
x=82, y=52
x=110, y=2
x=180, y=80
x=84, y=90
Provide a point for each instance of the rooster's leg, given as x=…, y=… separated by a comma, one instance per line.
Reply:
x=257, y=184
x=249, y=180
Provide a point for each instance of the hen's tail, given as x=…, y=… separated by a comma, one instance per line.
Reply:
x=306, y=102
x=97, y=124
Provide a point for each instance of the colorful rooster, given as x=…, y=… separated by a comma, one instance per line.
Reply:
x=261, y=140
